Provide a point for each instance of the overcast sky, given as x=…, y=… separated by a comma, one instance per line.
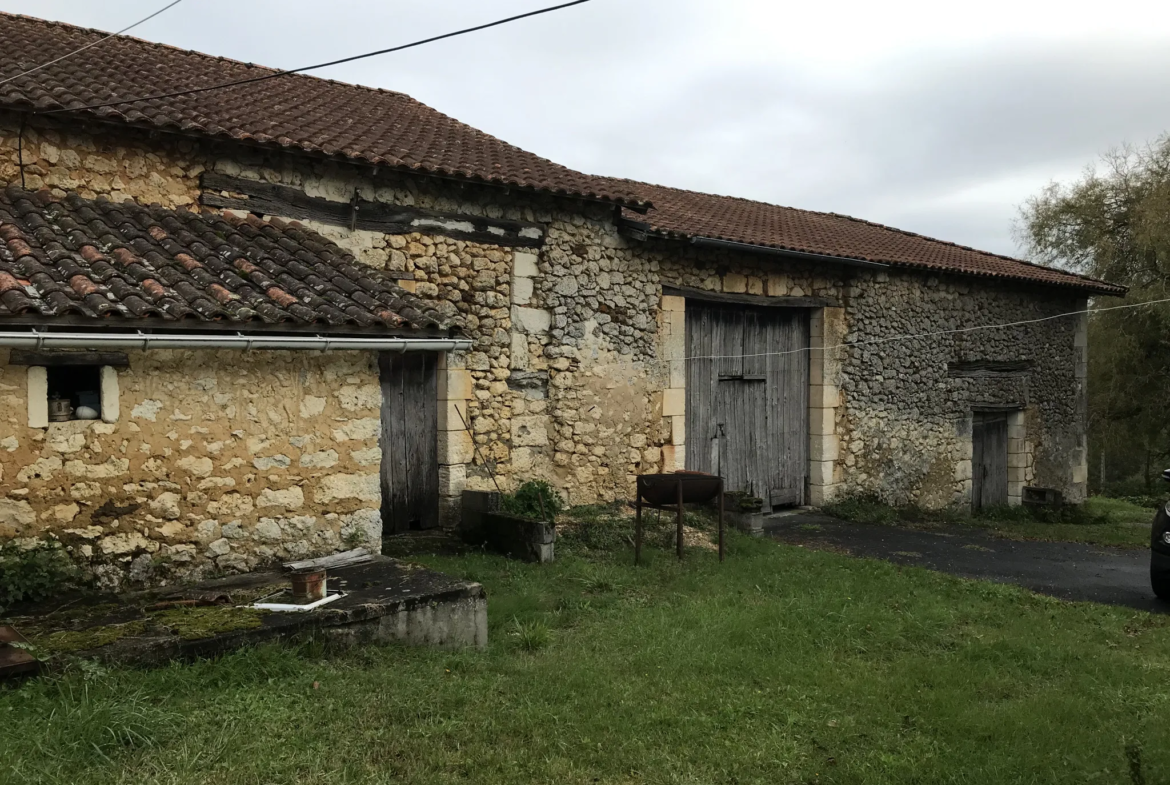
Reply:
x=908, y=113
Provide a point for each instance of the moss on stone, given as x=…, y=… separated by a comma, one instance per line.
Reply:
x=67, y=641
x=193, y=624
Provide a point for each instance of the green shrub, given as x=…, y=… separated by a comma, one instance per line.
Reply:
x=34, y=573
x=869, y=508
x=1075, y=514
x=862, y=508
x=536, y=499
x=1142, y=500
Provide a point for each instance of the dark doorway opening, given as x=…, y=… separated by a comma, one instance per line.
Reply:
x=410, y=442
x=989, y=460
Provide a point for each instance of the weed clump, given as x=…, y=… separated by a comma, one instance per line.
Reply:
x=535, y=499
x=530, y=636
x=34, y=572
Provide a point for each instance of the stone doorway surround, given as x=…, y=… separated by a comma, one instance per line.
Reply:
x=826, y=329
x=1020, y=455
x=826, y=332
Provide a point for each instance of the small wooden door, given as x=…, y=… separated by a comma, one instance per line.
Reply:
x=410, y=441
x=989, y=459
x=747, y=410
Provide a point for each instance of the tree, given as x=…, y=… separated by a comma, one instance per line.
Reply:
x=1114, y=223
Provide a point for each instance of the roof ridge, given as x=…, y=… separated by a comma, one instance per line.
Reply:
x=192, y=52
x=386, y=132
x=864, y=221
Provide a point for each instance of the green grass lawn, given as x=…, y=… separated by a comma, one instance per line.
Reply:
x=782, y=665
x=1106, y=522
x=1099, y=521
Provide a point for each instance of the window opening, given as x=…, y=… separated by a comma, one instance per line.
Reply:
x=75, y=392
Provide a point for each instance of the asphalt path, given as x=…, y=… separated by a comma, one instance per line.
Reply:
x=1071, y=571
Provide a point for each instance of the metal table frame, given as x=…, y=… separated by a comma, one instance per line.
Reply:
x=678, y=506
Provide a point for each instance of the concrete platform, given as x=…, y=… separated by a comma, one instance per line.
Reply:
x=386, y=601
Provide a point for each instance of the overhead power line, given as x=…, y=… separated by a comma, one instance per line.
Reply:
x=276, y=74
x=92, y=43
x=915, y=336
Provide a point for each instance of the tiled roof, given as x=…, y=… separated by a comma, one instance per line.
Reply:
x=686, y=214
x=292, y=111
x=391, y=129
x=154, y=267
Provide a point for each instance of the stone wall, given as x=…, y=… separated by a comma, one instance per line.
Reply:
x=96, y=160
x=905, y=425
x=578, y=373
x=216, y=462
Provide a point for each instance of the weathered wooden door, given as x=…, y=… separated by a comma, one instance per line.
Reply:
x=747, y=409
x=989, y=459
x=410, y=441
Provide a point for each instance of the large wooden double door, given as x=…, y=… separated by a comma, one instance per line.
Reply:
x=747, y=398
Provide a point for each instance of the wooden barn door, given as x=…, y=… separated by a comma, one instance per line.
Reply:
x=989, y=459
x=747, y=410
x=410, y=441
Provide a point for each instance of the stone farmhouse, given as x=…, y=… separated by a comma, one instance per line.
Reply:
x=286, y=317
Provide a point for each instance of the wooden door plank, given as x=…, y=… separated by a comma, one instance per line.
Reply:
x=388, y=469
x=997, y=452
x=410, y=468
x=989, y=470
x=977, y=466
x=428, y=442
x=699, y=375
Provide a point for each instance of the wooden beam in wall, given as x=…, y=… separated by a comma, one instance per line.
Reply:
x=758, y=300
x=976, y=369
x=282, y=201
x=57, y=359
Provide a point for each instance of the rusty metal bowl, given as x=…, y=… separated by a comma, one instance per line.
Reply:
x=662, y=489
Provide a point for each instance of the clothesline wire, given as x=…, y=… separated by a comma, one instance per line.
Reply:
x=126, y=29
x=916, y=336
x=305, y=69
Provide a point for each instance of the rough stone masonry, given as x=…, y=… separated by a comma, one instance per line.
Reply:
x=577, y=375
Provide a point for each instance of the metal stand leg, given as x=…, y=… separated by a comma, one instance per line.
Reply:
x=721, y=519
x=680, y=519
x=638, y=531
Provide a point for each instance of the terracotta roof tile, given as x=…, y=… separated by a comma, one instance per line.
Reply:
x=391, y=129
x=687, y=214
x=299, y=111
x=152, y=264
